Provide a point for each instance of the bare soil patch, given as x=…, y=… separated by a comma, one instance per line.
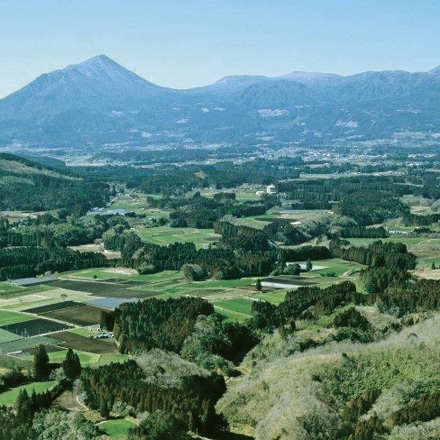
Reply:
x=429, y=274
x=68, y=401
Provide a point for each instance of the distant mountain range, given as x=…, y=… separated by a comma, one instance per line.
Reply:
x=99, y=103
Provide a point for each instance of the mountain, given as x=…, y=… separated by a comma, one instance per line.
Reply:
x=100, y=104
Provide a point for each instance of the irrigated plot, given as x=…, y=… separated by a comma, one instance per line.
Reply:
x=78, y=342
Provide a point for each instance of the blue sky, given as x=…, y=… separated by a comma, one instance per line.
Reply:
x=189, y=43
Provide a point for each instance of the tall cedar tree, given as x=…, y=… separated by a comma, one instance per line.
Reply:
x=40, y=365
x=71, y=365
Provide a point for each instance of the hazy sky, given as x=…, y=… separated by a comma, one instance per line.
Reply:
x=188, y=43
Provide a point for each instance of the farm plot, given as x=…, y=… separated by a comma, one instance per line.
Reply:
x=165, y=235
x=81, y=315
x=8, y=318
x=101, y=288
x=112, y=303
x=237, y=308
x=285, y=282
x=35, y=327
x=25, y=344
x=52, y=307
x=78, y=342
x=6, y=336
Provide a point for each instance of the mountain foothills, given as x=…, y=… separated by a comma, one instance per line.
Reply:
x=98, y=102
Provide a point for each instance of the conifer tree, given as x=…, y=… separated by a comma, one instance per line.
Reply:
x=71, y=365
x=40, y=365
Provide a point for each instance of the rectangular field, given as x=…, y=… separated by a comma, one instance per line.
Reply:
x=9, y=318
x=25, y=344
x=78, y=342
x=52, y=307
x=81, y=315
x=6, y=336
x=100, y=288
x=240, y=306
x=35, y=327
x=112, y=303
x=165, y=235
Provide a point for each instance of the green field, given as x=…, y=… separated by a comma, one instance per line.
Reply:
x=241, y=194
x=25, y=344
x=8, y=397
x=88, y=359
x=8, y=287
x=7, y=318
x=165, y=235
x=239, y=308
x=337, y=265
x=6, y=336
x=117, y=429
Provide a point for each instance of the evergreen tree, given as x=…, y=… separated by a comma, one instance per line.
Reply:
x=71, y=365
x=309, y=265
x=258, y=285
x=40, y=365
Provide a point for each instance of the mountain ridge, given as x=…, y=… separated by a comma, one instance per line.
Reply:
x=99, y=102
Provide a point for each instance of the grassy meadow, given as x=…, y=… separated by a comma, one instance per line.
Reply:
x=116, y=429
x=8, y=398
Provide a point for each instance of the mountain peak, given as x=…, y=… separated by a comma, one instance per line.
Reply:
x=97, y=65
